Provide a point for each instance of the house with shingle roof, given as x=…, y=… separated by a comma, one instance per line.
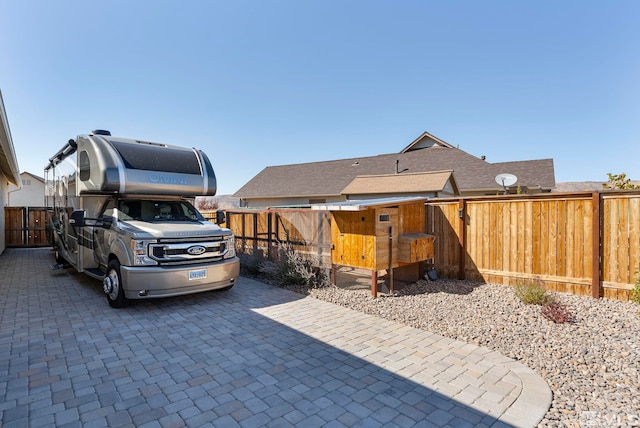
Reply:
x=29, y=194
x=428, y=167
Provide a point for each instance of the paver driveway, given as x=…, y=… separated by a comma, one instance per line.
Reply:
x=254, y=356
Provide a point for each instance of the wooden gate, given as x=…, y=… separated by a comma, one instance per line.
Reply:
x=25, y=227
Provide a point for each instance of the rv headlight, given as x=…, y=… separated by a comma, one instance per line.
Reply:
x=140, y=257
x=231, y=248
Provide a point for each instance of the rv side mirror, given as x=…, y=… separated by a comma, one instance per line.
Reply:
x=220, y=217
x=77, y=218
x=105, y=222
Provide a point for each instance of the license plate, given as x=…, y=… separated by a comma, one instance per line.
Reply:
x=197, y=274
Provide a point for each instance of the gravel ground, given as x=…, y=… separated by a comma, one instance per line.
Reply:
x=592, y=364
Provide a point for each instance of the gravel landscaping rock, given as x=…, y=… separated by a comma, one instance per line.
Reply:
x=592, y=364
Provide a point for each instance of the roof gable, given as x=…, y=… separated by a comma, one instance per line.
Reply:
x=24, y=174
x=426, y=141
x=422, y=182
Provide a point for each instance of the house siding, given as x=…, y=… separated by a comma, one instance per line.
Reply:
x=31, y=194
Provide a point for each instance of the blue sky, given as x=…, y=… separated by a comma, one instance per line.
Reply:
x=262, y=83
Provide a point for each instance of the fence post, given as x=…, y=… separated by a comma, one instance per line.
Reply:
x=462, y=214
x=227, y=224
x=595, y=246
x=320, y=239
x=374, y=283
x=244, y=232
x=255, y=234
x=269, y=232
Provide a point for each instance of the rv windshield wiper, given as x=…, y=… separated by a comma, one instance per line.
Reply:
x=185, y=218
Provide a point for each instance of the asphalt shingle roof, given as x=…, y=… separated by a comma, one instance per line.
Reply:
x=331, y=177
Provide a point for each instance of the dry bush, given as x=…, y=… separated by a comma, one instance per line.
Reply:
x=532, y=292
x=556, y=312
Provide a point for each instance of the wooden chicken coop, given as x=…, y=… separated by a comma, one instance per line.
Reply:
x=380, y=235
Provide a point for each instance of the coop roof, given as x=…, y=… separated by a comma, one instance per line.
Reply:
x=361, y=205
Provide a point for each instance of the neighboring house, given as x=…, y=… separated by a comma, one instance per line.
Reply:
x=8, y=168
x=585, y=186
x=30, y=194
x=427, y=167
x=579, y=186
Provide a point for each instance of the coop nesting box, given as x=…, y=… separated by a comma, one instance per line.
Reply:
x=380, y=235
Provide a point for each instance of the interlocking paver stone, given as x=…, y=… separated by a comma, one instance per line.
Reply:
x=256, y=355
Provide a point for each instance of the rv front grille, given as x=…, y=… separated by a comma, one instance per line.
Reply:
x=187, y=252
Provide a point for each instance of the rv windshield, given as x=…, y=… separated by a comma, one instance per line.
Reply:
x=152, y=210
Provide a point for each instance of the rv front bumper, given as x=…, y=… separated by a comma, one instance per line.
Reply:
x=143, y=282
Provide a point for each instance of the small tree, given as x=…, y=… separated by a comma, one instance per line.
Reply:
x=619, y=182
x=206, y=204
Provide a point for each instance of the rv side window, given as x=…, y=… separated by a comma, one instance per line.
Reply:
x=153, y=158
x=109, y=209
x=85, y=170
x=129, y=209
x=188, y=211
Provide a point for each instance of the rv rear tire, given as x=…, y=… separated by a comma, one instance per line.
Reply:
x=112, y=285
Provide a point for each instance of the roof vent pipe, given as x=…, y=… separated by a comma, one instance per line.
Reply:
x=398, y=167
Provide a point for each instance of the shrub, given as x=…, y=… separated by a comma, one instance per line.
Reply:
x=619, y=181
x=294, y=269
x=250, y=264
x=532, y=293
x=635, y=291
x=556, y=312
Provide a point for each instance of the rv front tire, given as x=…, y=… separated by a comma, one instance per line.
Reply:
x=112, y=286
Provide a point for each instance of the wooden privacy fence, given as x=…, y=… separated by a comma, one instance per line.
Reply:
x=261, y=232
x=581, y=243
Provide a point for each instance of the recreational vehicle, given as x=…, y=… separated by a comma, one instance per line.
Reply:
x=121, y=211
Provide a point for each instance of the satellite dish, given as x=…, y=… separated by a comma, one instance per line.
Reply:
x=506, y=180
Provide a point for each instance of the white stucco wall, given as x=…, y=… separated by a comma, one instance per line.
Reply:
x=9, y=168
x=3, y=203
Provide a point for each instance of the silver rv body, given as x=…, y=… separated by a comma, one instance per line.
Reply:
x=121, y=211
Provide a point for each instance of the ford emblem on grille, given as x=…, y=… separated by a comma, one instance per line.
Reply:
x=196, y=250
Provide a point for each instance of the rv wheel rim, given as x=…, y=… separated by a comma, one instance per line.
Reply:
x=111, y=285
